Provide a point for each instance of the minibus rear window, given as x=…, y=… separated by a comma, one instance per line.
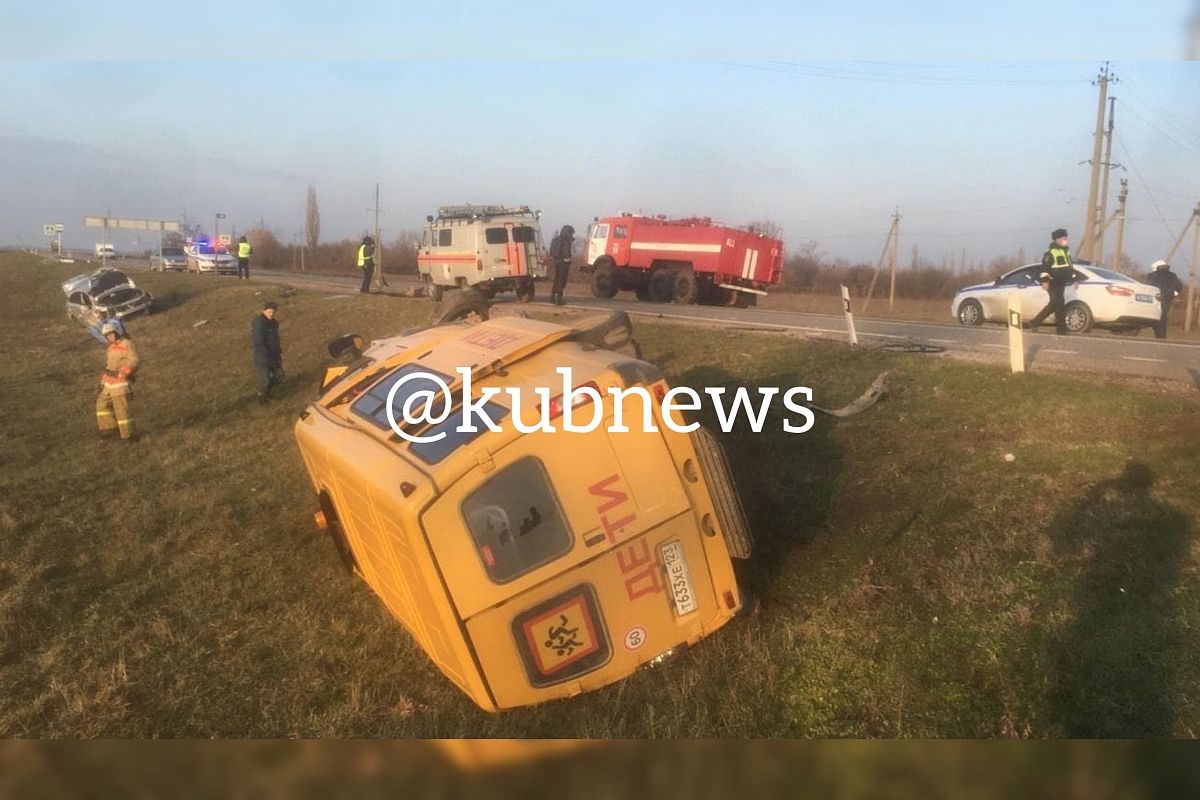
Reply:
x=496, y=235
x=523, y=234
x=372, y=405
x=516, y=521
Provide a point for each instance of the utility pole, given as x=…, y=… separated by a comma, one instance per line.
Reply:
x=1191, y=303
x=895, y=248
x=380, y=280
x=1194, y=221
x=1090, y=221
x=962, y=262
x=1108, y=165
x=1120, y=217
x=888, y=247
x=916, y=263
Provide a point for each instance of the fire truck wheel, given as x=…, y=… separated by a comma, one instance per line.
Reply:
x=686, y=287
x=662, y=286
x=642, y=292
x=604, y=281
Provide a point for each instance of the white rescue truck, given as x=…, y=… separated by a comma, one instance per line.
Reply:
x=490, y=248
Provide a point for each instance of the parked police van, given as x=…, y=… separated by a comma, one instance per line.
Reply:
x=491, y=248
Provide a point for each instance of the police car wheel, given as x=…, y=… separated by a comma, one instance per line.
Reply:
x=970, y=313
x=1078, y=318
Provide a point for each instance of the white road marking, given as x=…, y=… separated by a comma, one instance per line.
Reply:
x=997, y=346
x=943, y=341
x=1137, y=358
x=1064, y=352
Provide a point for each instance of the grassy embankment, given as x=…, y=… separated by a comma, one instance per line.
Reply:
x=912, y=581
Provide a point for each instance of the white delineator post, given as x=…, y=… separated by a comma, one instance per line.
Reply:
x=1016, y=339
x=849, y=315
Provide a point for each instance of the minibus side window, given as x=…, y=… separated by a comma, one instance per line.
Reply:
x=516, y=521
x=372, y=406
x=496, y=235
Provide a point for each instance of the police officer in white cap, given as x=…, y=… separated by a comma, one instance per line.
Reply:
x=1169, y=286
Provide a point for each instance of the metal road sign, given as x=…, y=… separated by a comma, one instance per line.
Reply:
x=49, y=230
x=131, y=224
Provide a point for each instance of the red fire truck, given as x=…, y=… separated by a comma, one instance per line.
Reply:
x=692, y=260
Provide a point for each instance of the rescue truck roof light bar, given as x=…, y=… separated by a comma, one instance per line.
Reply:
x=483, y=212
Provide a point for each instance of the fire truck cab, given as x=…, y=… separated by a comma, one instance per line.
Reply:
x=690, y=260
x=491, y=248
x=528, y=566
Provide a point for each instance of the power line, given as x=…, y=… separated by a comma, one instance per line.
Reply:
x=1145, y=186
x=1193, y=149
x=867, y=76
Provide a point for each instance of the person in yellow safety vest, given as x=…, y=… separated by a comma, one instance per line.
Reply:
x=366, y=262
x=116, y=385
x=243, y=258
x=1057, y=263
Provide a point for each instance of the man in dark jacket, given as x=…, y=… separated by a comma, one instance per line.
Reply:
x=1058, y=264
x=268, y=353
x=1169, y=286
x=561, y=250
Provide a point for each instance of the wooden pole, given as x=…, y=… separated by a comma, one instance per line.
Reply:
x=895, y=249
x=1102, y=211
x=1090, y=222
x=1120, y=214
x=879, y=266
x=1191, y=303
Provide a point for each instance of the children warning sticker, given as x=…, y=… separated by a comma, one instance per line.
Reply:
x=562, y=637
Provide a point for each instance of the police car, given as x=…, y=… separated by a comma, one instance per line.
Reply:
x=1104, y=299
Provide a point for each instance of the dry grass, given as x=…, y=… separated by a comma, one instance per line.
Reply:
x=911, y=581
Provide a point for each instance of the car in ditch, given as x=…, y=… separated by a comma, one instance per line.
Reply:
x=1104, y=299
x=105, y=294
x=529, y=566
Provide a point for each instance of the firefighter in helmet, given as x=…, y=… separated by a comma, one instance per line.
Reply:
x=113, y=413
x=561, y=247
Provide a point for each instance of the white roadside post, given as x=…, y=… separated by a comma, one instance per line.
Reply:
x=849, y=315
x=1016, y=339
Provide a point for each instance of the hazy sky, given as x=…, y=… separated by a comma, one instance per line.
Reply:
x=762, y=113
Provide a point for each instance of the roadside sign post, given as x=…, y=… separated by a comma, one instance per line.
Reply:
x=106, y=222
x=48, y=231
x=1016, y=339
x=58, y=230
x=849, y=316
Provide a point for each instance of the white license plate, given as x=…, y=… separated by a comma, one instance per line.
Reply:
x=1144, y=298
x=679, y=578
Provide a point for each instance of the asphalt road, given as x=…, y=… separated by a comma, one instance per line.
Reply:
x=1100, y=352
